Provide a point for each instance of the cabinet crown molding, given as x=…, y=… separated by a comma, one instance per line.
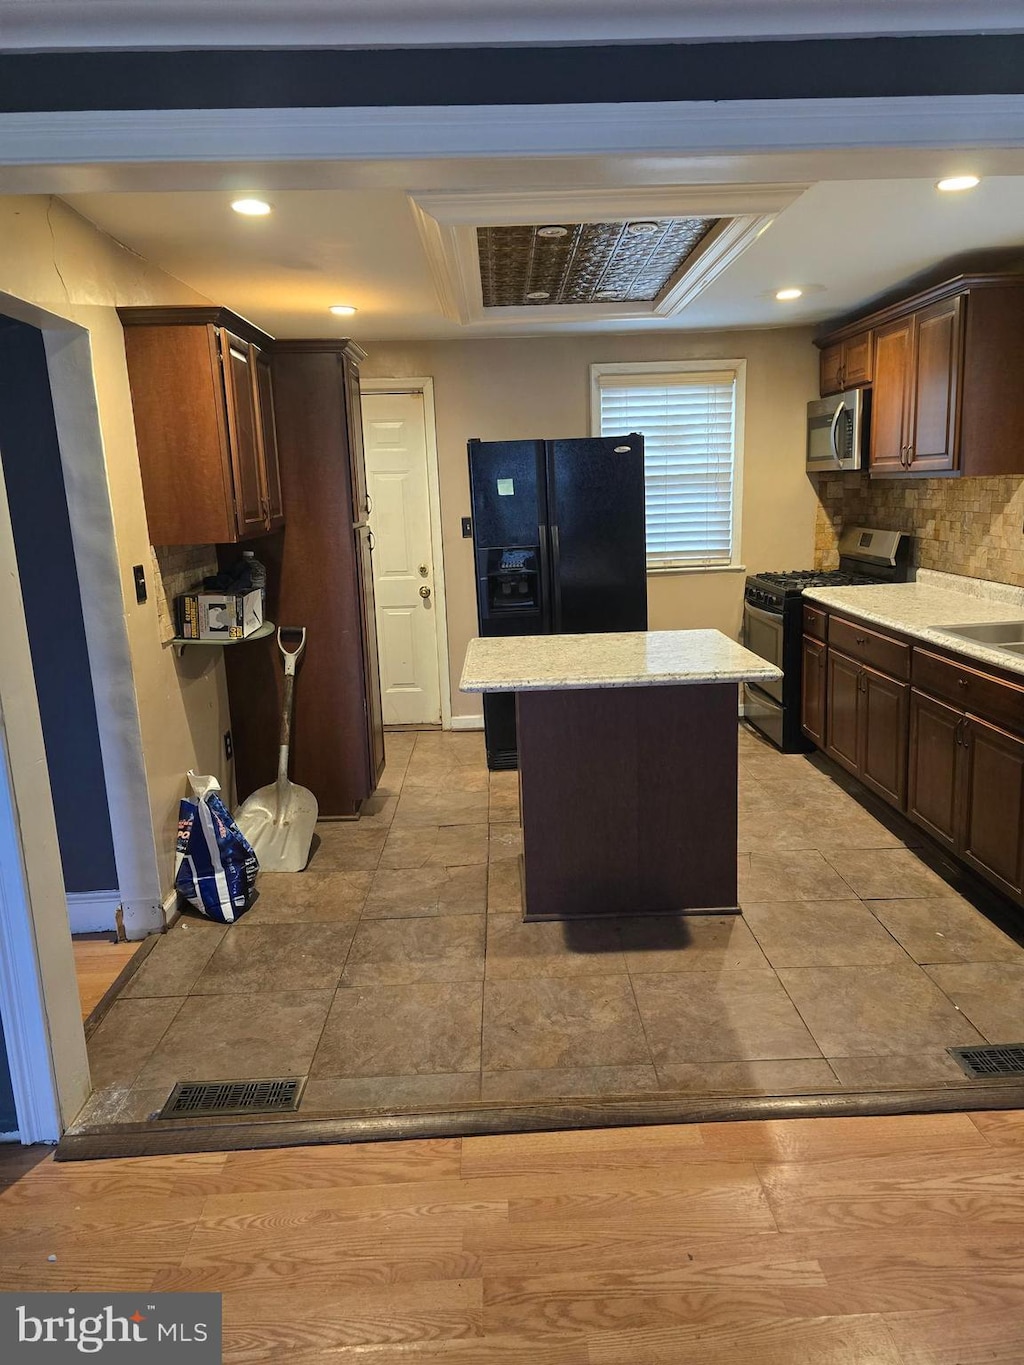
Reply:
x=956, y=284
x=187, y=316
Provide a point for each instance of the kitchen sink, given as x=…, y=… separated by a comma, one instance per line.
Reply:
x=1007, y=635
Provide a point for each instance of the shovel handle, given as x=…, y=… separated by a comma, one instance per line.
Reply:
x=291, y=641
x=295, y=637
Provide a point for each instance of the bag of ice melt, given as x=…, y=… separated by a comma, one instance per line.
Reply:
x=215, y=868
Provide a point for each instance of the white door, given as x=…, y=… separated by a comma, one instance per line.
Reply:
x=403, y=569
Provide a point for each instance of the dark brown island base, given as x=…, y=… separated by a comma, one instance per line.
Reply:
x=627, y=767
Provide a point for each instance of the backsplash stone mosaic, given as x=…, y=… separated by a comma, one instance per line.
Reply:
x=176, y=569
x=961, y=526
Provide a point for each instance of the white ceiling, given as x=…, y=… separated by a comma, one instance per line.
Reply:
x=76, y=24
x=845, y=240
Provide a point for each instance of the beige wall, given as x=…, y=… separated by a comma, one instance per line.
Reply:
x=56, y=260
x=539, y=386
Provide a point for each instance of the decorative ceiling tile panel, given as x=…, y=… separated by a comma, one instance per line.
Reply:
x=573, y=263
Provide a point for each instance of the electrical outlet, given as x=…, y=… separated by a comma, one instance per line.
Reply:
x=139, y=574
x=229, y=748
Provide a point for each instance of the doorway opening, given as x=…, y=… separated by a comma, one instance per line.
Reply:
x=408, y=567
x=30, y=460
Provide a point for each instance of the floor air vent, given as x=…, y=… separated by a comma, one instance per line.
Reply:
x=190, y=1098
x=1002, y=1059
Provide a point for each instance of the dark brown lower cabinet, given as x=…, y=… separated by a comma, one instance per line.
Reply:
x=958, y=776
x=883, y=730
x=813, y=682
x=843, y=705
x=993, y=822
x=933, y=789
x=866, y=725
x=967, y=789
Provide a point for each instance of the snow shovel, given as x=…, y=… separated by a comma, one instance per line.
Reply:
x=279, y=820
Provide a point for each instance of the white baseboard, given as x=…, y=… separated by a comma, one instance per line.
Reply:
x=467, y=722
x=93, y=912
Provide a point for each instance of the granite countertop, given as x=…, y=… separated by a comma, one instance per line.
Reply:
x=922, y=608
x=648, y=658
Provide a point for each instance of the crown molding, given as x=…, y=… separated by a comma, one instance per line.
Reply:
x=480, y=208
x=745, y=127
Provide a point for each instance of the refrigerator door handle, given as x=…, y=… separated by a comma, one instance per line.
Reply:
x=544, y=565
x=556, y=583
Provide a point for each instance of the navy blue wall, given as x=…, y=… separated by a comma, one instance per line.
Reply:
x=30, y=458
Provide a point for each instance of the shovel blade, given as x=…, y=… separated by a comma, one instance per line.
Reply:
x=279, y=822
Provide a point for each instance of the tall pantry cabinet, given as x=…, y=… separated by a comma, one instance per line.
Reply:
x=319, y=575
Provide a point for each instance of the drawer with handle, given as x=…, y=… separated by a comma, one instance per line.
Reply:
x=972, y=691
x=815, y=623
x=860, y=642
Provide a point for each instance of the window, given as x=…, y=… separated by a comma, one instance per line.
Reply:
x=688, y=414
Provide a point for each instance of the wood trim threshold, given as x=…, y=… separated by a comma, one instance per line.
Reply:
x=102, y=1006
x=166, y=1137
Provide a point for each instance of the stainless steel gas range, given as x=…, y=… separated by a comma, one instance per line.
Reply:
x=773, y=623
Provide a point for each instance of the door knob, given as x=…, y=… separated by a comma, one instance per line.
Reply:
x=424, y=592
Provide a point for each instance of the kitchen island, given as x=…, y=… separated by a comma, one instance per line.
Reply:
x=627, y=767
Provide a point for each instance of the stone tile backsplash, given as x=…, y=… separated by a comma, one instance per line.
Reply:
x=177, y=569
x=973, y=527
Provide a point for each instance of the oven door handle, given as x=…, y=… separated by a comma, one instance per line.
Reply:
x=771, y=618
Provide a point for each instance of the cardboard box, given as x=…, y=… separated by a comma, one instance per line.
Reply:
x=219, y=615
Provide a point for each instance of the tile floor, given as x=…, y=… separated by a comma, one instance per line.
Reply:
x=396, y=972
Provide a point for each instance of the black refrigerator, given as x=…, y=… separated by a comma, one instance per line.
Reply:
x=559, y=547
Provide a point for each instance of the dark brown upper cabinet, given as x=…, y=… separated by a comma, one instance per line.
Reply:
x=846, y=364
x=204, y=422
x=944, y=371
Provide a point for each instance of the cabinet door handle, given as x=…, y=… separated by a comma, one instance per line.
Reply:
x=910, y=456
x=962, y=682
x=861, y=639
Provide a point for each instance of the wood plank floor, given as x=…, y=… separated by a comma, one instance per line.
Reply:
x=875, y=1241
x=97, y=965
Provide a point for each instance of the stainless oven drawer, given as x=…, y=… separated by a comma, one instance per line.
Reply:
x=764, y=713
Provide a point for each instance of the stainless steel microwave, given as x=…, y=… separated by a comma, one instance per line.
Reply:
x=837, y=431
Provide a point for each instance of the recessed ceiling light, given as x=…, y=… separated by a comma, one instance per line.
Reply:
x=788, y=295
x=641, y=229
x=553, y=231
x=342, y=310
x=251, y=208
x=538, y=294
x=952, y=183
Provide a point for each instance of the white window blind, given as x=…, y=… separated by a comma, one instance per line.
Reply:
x=688, y=422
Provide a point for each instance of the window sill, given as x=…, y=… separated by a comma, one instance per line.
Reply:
x=658, y=570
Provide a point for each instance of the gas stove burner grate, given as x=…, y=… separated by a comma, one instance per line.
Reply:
x=812, y=578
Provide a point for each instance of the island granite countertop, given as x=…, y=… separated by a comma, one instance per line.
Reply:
x=646, y=658
x=920, y=610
